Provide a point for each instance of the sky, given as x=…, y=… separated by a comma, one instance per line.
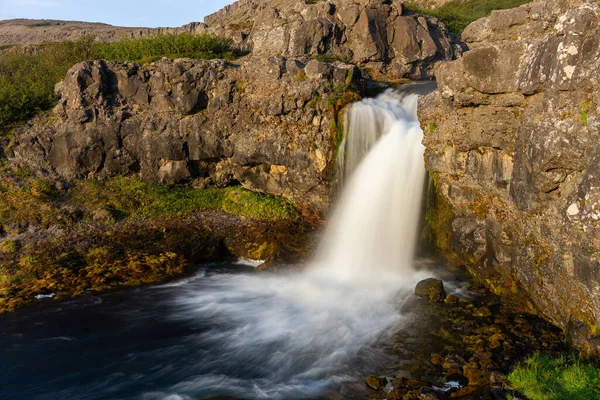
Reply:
x=142, y=13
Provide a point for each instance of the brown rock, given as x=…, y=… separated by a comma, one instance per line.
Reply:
x=431, y=288
x=513, y=152
x=375, y=382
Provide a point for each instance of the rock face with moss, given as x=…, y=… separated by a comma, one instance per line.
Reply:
x=512, y=141
x=376, y=35
x=267, y=123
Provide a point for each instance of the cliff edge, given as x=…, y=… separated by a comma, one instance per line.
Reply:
x=512, y=141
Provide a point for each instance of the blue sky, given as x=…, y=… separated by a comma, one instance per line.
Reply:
x=145, y=13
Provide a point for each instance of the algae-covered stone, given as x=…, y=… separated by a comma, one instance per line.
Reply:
x=451, y=299
x=431, y=288
x=482, y=312
x=9, y=246
x=375, y=382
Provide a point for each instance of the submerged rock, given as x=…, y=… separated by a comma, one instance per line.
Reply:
x=375, y=382
x=432, y=289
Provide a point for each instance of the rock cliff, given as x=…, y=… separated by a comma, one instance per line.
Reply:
x=513, y=147
x=377, y=35
x=267, y=123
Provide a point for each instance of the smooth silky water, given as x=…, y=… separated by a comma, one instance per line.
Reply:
x=228, y=331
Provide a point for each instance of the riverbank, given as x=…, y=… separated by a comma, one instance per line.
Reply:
x=91, y=237
x=463, y=345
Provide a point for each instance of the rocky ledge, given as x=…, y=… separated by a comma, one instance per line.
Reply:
x=267, y=123
x=378, y=35
x=512, y=141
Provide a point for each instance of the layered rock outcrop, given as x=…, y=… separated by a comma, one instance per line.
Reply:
x=513, y=145
x=377, y=35
x=267, y=123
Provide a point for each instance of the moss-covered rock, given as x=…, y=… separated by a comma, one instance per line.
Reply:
x=432, y=289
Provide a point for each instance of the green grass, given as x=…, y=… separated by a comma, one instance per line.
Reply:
x=127, y=196
x=457, y=15
x=544, y=378
x=27, y=81
x=31, y=202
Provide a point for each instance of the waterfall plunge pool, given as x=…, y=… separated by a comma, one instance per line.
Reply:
x=227, y=331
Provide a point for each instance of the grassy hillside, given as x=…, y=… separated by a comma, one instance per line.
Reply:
x=457, y=15
x=27, y=81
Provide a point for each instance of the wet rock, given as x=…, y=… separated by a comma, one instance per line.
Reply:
x=482, y=312
x=498, y=394
x=375, y=383
x=451, y=299
x=465, y=392
x=456, y=375
x=427, y=393
x=437, y=359
x=432, y=289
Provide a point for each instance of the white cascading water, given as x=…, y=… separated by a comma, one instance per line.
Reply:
x=292, y=335
x=373, y=233
x=309, y=329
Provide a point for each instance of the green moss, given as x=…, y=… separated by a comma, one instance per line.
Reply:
x=300, y=76
x=330, y=59
x=584, y=110
x=544, y=378
x=439, y=216
x=239, y=201
x=458, y=14
x=9, y=246
x=129, y=196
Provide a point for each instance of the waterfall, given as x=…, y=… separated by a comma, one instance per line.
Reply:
x=292, y=335
x=373, y=233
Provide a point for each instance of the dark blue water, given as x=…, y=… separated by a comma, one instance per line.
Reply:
x=226, y=331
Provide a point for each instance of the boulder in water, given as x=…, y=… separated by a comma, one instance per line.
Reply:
x=431, y=288
x=375, y=382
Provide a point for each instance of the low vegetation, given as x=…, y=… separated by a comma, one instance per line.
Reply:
x=458, y=14
x=27, y=80
x=545, y=378
x=94, y=236
x=126, y=196
x=27, y=202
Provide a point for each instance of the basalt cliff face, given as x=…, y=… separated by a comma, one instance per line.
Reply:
x=513, y=146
